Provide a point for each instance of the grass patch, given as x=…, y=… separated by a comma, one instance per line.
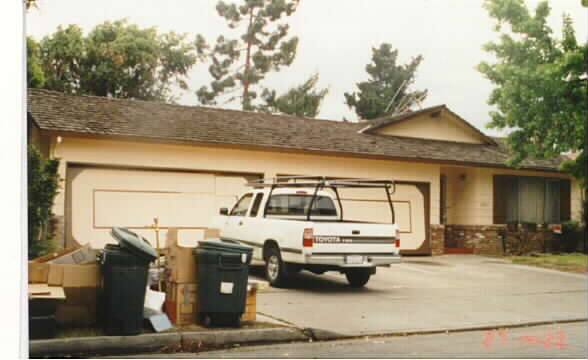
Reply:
x=574, y=262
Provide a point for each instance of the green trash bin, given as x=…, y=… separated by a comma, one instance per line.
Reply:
x=223, y=269
x=125, y=270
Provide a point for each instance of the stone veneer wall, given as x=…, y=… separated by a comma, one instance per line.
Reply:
x=541, y=239
x=437, y=239
x=496, y=239
x=483, y=239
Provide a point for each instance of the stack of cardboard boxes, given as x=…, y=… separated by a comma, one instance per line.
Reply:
x=181, y=275
x=76, y=272
x=181, y=281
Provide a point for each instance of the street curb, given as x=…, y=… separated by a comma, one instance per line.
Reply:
x=326, y=335
x=102, y=345
x=257, y=336
x=119, y=345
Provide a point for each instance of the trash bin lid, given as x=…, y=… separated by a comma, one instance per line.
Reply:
x=224, y=245
x=134, y=243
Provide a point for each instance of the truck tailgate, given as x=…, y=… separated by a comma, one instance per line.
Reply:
x=356, y=238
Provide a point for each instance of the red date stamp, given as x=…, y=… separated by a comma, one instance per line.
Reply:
x=549, y=340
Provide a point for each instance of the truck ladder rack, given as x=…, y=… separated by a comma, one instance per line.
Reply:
x=321, y=182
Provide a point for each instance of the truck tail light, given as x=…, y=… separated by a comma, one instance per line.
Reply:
x=307, y=237
x=397, y=236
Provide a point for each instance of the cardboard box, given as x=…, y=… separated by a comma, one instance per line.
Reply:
x=250, y=306
x=80, y=283
x=248, y=316
x=211, y=233
x=180, y=261
x=75, y=314
x=181, y=302
x=81, y=295
x=68, y=275
x=38, y=272
x=56, y=254
x=84, y=255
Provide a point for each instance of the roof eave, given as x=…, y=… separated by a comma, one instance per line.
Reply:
x=286, y=149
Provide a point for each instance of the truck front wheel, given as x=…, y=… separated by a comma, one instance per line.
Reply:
x=358, y=277
x=275, y=269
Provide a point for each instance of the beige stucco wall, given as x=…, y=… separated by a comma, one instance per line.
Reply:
x=470, y=193
x=209, y=159
x=469, y=197
x=444, y=127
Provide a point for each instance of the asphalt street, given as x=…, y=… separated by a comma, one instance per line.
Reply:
x=548, y=341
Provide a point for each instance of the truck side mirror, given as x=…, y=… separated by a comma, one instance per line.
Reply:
x=223, y=211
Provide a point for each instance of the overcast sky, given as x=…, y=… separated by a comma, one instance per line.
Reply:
x=336, y=37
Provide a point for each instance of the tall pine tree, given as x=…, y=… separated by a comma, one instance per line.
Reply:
x=238, y=65
x=388, y=86
x=303, y=100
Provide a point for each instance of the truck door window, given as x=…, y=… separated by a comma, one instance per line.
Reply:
x=298, y=204
x=240, y=209
x=255, y=207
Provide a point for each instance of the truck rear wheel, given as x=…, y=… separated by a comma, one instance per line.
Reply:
x=358, y=277
x=275, y=269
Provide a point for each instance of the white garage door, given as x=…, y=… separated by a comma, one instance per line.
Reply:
x=410, y=209
x=100, y=198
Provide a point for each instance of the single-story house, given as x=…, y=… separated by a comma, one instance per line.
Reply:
x=127, y=162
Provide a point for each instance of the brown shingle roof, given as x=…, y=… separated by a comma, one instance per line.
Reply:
x=100, y=116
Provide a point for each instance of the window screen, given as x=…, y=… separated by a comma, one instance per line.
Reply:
x=298, y=205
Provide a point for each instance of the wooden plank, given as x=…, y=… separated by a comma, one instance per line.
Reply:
x=43, y=291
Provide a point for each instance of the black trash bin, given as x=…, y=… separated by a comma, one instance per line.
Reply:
x=223, y=268
x=42, y=323
x=125, y=270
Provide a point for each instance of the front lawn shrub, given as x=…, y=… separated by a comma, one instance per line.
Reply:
x=572, y=234
x=43, y=184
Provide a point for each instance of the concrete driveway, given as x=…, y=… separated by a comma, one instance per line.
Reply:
x=429, y=293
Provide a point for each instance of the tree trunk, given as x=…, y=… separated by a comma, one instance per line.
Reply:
x=245, y=103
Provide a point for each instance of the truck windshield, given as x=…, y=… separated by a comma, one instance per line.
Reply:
x=298, y=205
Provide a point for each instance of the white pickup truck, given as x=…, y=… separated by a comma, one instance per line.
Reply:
x=299, y=225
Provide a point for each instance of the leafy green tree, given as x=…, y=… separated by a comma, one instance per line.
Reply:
x=35, y=75
x=43, y=186
x=541, y=85
x=387, y=89
x=118, y=60
x=62, y=58
x=238, y=65
x=303, y=100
